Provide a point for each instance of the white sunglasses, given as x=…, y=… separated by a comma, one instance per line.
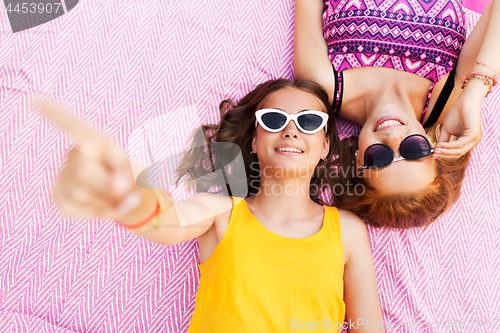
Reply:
x=274, y=120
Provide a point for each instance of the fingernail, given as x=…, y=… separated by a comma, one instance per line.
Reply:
x=131, y=202
x=122, y=184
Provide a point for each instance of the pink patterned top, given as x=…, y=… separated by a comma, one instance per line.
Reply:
x=423, y=37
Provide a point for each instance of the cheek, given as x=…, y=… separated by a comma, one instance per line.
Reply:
x=316, y=144
x=263, y=138
x=258, y=135
x=363, y=142
x=418, y=129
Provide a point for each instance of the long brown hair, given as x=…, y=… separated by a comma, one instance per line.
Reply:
x=401, y=210
x=237, y=126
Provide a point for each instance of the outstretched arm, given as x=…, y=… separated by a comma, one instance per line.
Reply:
x=360, y=285
x=98, y=181
x=311, y=60
x=464, y=118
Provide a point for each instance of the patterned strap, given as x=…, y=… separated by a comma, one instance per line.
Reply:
x=429, y=94
x=338, y=94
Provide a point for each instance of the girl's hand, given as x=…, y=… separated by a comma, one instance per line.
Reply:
x=97, y=179
x=464, y=122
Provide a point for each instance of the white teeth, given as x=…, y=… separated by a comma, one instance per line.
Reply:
x=388, y=123
x=289, y=149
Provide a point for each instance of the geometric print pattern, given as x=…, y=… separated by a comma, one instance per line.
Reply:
x=420, y=37
x=121, y=65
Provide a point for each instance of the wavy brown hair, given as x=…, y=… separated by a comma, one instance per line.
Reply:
x=237, y=126
x=400, y=210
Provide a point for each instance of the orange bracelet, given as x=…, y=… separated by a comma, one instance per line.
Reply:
x=146, y=221
x=154, y=217
x=489, y=80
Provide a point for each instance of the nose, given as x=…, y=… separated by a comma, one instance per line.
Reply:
x=393, y=140
x=290, y=131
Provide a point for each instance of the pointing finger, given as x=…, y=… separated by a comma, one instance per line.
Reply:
x=116, y=159
x=64, y=120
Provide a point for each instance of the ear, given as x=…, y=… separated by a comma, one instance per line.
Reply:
x=326, y=147
x=254, y=141
x=359, y=162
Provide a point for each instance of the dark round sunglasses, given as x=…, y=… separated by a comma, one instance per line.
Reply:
x=412, y=147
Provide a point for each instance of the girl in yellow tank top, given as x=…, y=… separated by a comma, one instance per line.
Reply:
x=279, y=260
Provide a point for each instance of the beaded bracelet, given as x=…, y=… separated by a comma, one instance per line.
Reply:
x=489, y=80
x=152, y=221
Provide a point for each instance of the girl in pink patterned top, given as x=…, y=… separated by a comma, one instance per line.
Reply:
x=396, y=68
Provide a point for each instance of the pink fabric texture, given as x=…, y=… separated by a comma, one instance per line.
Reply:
x=476, y=6
x=147, y=73
x=423, y=38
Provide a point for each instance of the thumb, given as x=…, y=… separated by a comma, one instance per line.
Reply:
x=444, y=136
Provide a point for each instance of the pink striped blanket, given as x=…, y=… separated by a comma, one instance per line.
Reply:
x=147, y=73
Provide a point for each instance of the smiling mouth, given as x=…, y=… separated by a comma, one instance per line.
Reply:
x=289, y=150
x=389, y=123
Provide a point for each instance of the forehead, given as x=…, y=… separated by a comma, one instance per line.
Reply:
x=293, y=100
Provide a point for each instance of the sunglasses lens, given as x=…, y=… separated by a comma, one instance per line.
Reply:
x=274, y=120
x=378, y=156
x=310, y=122
x=415, y=147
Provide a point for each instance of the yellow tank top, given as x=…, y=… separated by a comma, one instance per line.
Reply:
x=259, y=281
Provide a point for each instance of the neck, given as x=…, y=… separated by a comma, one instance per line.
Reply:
x=282, y=199
x=396, y=97
x=407, y=93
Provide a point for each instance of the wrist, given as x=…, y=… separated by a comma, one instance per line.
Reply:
x=148, y=205
x=475, y=89
x=489, y=79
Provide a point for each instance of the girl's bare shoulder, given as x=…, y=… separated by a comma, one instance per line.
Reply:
x=203, y=209
x=351, y=223
x=216, y=204
x=354, y=232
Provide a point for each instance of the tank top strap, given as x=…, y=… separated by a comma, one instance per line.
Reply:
x=239, y=213
x=236, y=201
x=332, y=224
x=338, y=78
x=332, y=214
x=429, y=94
